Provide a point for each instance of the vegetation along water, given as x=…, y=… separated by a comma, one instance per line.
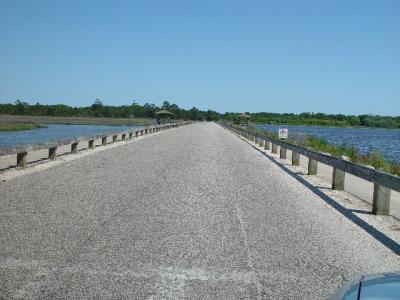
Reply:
x=377, y=147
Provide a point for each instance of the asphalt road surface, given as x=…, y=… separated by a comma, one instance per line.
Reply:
x=192, y=212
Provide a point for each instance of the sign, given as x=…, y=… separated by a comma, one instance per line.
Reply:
x=283, y=133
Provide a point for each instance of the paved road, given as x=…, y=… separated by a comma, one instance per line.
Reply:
x=192, y=212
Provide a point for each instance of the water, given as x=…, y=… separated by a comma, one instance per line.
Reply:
x=366, y=140
x=56, y=132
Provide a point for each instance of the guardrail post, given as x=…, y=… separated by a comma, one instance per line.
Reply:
x=266, y=145
x=136, y=133
x=115, y=138
x=282, y=153
x=130, y=135
x=274, y=148
x=74, y=147
x=145, y=131
x=91, y=144
x=22, y=159
x=338, y=177
x=381, y=199
x=104, y=140
x=53, y=153
x=124, y=136
x=312, y=167
x=295, y=159
x=260, y=142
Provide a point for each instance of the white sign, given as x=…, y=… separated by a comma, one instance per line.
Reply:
x=283, y=133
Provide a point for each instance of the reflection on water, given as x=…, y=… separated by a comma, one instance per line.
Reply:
x=56, y=132
x=365, y=139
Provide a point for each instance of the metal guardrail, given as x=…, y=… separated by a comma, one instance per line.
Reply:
x=22, y=152
x=383, y=182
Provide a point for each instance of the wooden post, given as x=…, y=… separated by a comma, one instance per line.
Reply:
x=260, y=142
x=312, y=167
x=266, y=145
x=22, y=159
x=145, y=131
x=74, y=147
x=124, y=136
x=295, y=158
x=91, y=144
x=115, y=138
x=274, y=148
x=338, y=177
x=136, y=133
x=381, y=200
x=104, y=140
x=282, y=153
x=130, y=135
x=53, y=153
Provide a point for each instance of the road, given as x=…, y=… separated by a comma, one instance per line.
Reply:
x=192, y=212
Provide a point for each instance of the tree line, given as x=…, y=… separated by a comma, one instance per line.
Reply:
x=322, y=119
x=98, y=109
x=147, y=110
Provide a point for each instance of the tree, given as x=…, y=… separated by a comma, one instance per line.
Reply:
x=166, y=105
x=98, y=108
x=97, y=104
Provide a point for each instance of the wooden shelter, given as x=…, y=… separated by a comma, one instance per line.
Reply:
x=163, y=116
x=244, y=119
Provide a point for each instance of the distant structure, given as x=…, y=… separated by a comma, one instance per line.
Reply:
x=244, y=119
x=163, y=116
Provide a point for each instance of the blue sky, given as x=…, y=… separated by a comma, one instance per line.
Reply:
x=277, y=56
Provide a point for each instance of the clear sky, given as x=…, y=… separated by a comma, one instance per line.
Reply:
x=278, y=56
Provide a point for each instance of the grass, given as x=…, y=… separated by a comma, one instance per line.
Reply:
x=375, y=159
x=74, y=120
x=19, y=126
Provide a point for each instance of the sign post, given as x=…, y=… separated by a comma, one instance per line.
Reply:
x=283, y=134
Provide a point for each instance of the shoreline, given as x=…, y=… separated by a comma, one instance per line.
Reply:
x=13, y=127
x=326, y=126
x=75, y=120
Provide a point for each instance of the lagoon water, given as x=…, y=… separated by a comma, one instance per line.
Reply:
x=56, y=132
x=366, y=140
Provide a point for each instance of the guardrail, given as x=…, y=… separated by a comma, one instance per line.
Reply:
x=383, y=182
x=22, y=152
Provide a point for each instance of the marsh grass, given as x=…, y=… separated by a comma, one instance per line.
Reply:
x=74, y=120
x=19, y=126
x=375, y=159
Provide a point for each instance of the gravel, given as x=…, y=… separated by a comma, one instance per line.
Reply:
x=192, y=212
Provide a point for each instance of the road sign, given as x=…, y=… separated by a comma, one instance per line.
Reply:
x=283, y=133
